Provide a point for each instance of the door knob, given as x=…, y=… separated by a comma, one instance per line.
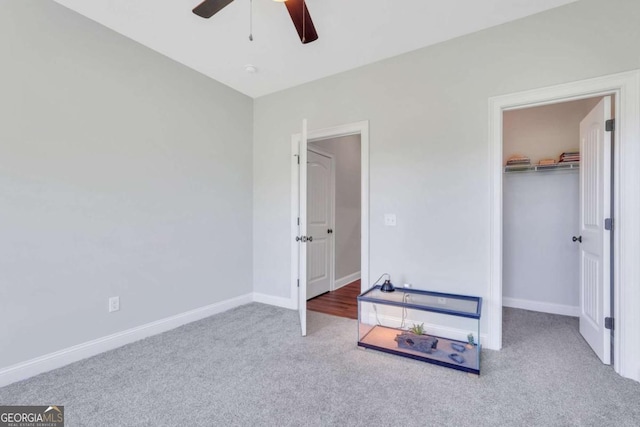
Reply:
x=310, y=238
x=577, y=239
x=329, y=231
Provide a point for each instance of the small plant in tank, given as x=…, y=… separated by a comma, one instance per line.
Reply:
x=417, y=329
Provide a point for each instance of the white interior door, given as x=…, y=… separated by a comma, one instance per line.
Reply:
x=319, y=218
x=594, y=241
x=302, y=230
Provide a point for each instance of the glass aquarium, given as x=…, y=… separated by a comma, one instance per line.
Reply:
x=433, y=327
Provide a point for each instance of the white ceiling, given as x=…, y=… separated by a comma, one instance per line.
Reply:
x=351, y=33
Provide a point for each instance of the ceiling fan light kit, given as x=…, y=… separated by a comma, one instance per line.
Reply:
x=297, y=9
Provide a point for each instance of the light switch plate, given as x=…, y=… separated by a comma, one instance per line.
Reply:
x=390, y=220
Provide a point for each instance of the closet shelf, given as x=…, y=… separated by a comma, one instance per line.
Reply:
x=540, y=168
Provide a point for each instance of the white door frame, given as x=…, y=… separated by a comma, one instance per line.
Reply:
x=626, y=88
x=361, y=128
x=332, y=214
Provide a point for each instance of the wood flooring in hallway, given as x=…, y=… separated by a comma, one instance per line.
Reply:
x=341, y=302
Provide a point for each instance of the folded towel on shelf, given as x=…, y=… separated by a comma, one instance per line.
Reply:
x=546, y=162
x=570, y=156
x=518, y=159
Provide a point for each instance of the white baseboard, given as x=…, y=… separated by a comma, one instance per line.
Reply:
x=346, y=280
x=544, y=307
x=58, y=359
x=277, y=301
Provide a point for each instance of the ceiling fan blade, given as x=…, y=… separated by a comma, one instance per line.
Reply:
x=208, y=8
x=296, y=12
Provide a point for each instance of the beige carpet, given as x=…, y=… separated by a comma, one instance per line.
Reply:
x=250, y=367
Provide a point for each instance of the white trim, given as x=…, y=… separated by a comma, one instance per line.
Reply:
x=544, y=307
x=332, y=214
x=58, y=359
x=626, y=88
x=361, y=128
x=277, y=301
x=343, y=281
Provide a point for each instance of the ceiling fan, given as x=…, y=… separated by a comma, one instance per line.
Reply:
x=297, y=10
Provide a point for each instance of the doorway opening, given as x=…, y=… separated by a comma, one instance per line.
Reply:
x=301, y=238
x=556, y=192
x=334, y=222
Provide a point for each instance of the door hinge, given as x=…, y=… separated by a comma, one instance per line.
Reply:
x=609, y=323
x=608, y=223
x=298, y=220
x=610, y=125
x=298, y=282
x=298, y=159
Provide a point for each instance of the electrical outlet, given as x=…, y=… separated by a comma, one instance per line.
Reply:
x=114, y=304
x=408, y=285
x=390, y=220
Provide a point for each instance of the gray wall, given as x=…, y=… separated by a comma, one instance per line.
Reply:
x=428, y=139
x=541, y=214
x=121, y=173
x=347, y=227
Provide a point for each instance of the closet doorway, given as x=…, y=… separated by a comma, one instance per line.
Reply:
x=557, y=194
